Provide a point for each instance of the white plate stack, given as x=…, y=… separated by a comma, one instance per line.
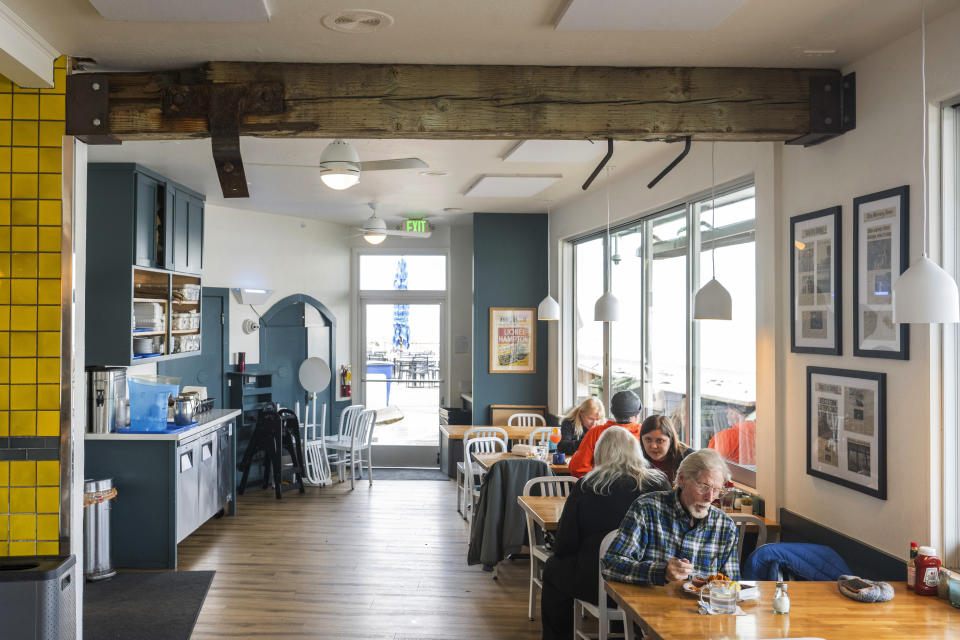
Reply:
x=148, y=315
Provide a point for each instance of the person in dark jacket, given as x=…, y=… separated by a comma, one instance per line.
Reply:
x=596, y=505
x=577, y=422
x=661, y=446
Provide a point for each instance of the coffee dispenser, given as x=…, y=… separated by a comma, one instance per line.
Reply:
x=108, y=405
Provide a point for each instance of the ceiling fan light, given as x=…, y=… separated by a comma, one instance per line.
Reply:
x=374, y=237
x=607, y=308
x=713, y=302
x=340, y=180
x=548, y=309
x=925, y=293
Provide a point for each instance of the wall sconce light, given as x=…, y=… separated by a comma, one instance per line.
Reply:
x=252, y=296
x=249, y=326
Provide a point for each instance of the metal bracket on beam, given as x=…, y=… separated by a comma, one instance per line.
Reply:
x=88, y=108
x=224, y=105
x=833, y=109
x=669, y=167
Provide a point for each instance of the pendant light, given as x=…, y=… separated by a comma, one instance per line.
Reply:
x=925, y=293
x=607, y=307
x=548, y=309
x=713, y=301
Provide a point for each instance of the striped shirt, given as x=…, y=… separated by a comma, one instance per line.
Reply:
x=658, y=527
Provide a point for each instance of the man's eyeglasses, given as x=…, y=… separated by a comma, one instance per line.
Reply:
x=709, y=489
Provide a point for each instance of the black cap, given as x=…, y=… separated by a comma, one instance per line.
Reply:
x=625, y=404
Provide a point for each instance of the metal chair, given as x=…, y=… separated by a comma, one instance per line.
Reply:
x=353, y=447
x=556, y=486
x=471, y=492
x=540, y=433
x=475, y=432
x=526, y=420
x=600, y=611
x=741, y=520
x=314, y=444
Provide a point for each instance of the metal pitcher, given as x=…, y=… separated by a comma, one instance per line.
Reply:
x=184, y=408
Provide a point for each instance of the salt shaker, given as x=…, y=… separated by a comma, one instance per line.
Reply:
x=781, y=601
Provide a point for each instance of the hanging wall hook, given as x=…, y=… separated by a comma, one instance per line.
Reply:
x=676, y=161
x=600, y=166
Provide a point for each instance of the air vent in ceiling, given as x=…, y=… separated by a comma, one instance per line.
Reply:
x=357, y=21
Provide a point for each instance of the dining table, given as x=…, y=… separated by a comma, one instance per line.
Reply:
x=487, y=460
x=817, y=610
x=545, y=510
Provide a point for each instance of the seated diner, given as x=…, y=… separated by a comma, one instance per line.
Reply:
x=625, y=407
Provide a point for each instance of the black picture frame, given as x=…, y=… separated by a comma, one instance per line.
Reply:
x=849, y=447
x=879, y=316
x=816, y=305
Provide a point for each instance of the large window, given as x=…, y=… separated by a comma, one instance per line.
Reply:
x=702, y=374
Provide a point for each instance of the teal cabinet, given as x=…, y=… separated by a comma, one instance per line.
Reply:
x=184, y=233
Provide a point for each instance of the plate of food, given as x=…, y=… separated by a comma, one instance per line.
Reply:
x=695, y=583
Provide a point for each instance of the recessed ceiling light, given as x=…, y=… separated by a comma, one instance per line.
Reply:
x=357, y=21
x=183, y=10
x=491, y=186
x=555, y=151
x=434, y=173
x=649, y=15
x=819, y=52
x=452, y=210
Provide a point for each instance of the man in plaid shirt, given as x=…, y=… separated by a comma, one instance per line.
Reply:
x=668, y=535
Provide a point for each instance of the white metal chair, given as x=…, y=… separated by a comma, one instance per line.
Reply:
x=600, y=611
x=742, y=520
x=353, y=446
x=315, y=446
x=526, y=420
x=471, y=492
x=540, y=433
x=539, y=554
x=475, y=432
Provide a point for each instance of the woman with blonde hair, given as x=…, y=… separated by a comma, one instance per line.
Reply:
x=577, y=422
x=596, y=505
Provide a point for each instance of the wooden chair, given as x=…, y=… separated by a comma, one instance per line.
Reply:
x=542, y=434
x=539, y=554
x=741, y=520
x=475, y=432
x=526, y=420
x=471, y=492
x=600, y=611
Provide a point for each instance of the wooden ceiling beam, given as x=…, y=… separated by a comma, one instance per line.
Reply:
x=460, y=102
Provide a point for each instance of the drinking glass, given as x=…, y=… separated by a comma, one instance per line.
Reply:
x=722, y=597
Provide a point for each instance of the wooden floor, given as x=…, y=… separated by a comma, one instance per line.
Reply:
x=381, y=562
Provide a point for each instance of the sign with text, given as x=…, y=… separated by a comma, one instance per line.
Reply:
x=513, y=340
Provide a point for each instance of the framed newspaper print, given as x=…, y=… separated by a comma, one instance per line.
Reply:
x=513, y=340
x=847, y=428
x=816, y=319
x=880, y=255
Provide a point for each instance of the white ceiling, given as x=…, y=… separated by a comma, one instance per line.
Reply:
x=765, y=33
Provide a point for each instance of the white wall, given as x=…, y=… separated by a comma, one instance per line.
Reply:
x=883, y=152
x=286, y=254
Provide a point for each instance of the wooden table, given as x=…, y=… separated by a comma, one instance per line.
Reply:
x=487, y=460
x=545, y=510
x=817, y=610
x=451, y=442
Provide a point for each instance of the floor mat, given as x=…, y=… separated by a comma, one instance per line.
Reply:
x=160, y=605
x=394, y=473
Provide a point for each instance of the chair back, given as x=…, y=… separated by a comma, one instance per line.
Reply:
x=741, y=520
x=478, y=445
x=540, y=435
x=348, y=419
x=363, y=434
x=552, y=486
x=485, y=432
x=526, y=420
x=604, y=612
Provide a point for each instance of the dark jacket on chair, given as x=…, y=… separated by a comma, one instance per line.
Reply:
x=499, y=525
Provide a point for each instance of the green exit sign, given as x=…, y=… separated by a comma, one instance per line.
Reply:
x=419, y=226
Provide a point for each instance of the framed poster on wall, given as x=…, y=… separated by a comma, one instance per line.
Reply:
x=880, y=254
x=847, y=428
x=816, y=319
x=513, y=340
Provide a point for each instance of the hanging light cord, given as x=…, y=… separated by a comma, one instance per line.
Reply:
x=548, y=248
x=609, y=278
x=713, y=208
x=923, y=88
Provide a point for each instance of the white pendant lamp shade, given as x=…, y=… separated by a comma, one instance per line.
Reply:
x=607, y=308
x=340, y=165
x=713, y=302
x=925, y=293
x=548, y=309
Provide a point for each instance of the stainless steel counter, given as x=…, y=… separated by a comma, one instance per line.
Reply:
x=207, y=421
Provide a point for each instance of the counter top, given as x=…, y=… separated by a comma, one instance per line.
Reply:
x=206, y=422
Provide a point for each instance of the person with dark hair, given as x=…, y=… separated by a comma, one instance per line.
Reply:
x=661, y=446
x=625, y=407
x=595, y=507
x=575, y=424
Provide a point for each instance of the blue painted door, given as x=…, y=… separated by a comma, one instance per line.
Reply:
x=283, y=346
x=206, y=369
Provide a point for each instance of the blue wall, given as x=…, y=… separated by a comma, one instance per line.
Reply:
x=509, y=270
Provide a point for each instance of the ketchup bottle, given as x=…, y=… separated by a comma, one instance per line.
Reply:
x=928, y=571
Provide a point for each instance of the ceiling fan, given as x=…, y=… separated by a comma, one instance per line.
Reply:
x=340, y=165
x=375, y=231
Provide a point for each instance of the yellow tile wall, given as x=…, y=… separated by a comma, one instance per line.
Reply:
x=32, y=122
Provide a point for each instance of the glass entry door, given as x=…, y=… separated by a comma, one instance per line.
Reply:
x=403, y=375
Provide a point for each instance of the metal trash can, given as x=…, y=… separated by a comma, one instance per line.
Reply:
x=97, y=495
x=37, y=597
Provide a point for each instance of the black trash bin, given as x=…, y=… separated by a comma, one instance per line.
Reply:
x=37, y=597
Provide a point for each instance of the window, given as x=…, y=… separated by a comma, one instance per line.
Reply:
x=950, y=190
x=702, y=374
x=378, y=272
